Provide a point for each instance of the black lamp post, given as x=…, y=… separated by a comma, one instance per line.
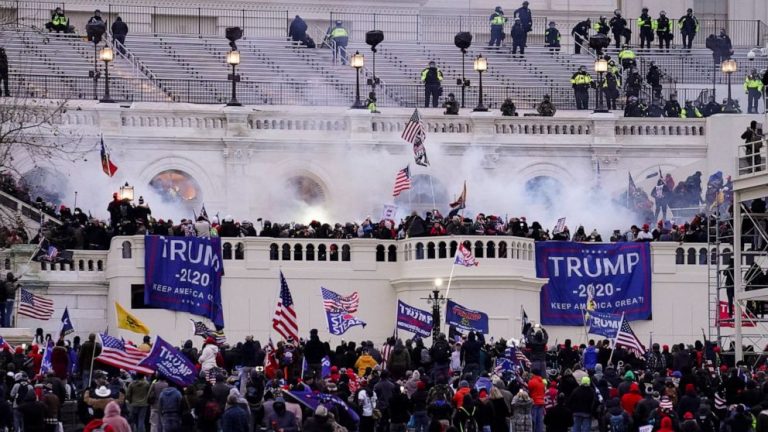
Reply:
x=436, y=300
x=106, y=55
x=481, y=65
x=357, y=61
x=601, y=67
x=463, y=40
x=233, y=58
x=729, y=67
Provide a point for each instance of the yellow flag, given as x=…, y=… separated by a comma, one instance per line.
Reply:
x=127, y=321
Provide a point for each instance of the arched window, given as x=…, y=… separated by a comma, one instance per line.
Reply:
x=702, y=256
x=310, y=252
x=544, y=191
x=680, y=256
x=90, y=265
x=334, y=252
x=273, y=254
x=177, y=187
x=419, y=251
x=81, y=265
x=691, y=256
x=380, y=253
x=454, y=246
x=441, y=250
x=478, y=249
x=430, y=250
x=127, y=251
x=286, y=252
x=502, y=249
x=321, y=253
x=713, y=256
x=392, y=253
x=240, y=251
x=227, y=252
x=426, y=192
x=100, y=265
x=345, y=253
x=491, y=252
x=298, y=252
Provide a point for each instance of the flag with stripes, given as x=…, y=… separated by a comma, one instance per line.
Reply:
x=416, y=134
x=461, y=201
x=720, y=403
x=284, y=321
x=334, y=302
x=115, y=352
x=35, y=306
x=402, y=181
x=626, y=338
x=464, y=257
x=46, y=365
x=106, y=162
x=5, y=345
x=202, y=330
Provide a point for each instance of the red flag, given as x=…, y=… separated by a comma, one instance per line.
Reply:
x=106, y=163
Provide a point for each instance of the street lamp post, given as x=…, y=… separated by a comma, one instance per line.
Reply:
x=233, y=59
x=729, y=67
x=106, y=55
x=481, y=65
x=601, y=67
x=436, y=300
x=357, y=61
x=126, y=192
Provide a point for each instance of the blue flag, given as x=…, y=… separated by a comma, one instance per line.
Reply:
x=604, y=324
x=46, y=366
x=340, y=322
x=312, y=400
x=466, y=319
x=503, y=365
x=184, y=274
x=66, y=323
x=483, y=383
x=171, y=363
x=325, y=363
x=414, y=319
x=74, y=361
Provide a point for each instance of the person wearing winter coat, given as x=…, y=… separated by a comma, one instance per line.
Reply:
x=501, y=412
x=113, y=418
x=207, y=358
x=580, y=402
x=521, y=412
x=399, y=361
x=630, y=400
x=235, y=418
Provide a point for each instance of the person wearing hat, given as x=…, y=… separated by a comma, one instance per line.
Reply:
x=630, y=400
x=497, y=20
x=546, y=108
x=58, y=23
x=581, y=402
x=672, y=108
x=689, y=26
x=519, y=37
x=581, y=82
x=524, y=14
x=235, y=418
x=580, y=33
x=281, y=420
x=319, y=422
x=451, y=106
x=95, y=27
x=552, y=37
x=647, y=25
x=653, y=78
x=340, y=38
x=508, y=108
x=663, y=30
x=619, y=28
x=98, y=396
x=88, y=351
x=690, y=110
x=612, y=85
x=432, y=77
x=370, y=104
x=601, y=26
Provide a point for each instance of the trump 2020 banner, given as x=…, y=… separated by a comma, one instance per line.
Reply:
x=414, y=320
x=616, y=276
x=184, y=274
x=170, y=363
x=466, y=319
x=604, y=324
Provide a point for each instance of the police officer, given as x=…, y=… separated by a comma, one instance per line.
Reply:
x=689, y=26
x=723, y=48
x=655, y=110
x=519, y=36
x=95, y=27
x=672, y=107
x=451, y=105
x=634, y=108
x=370, y=103
x=601, y=26
x=581, y=81
x=653, y=78
x=627, y=57
x=634, y=82
x=690, y=111
x=753, y=85
x=663, y=30
x=712, y=107
x=340, y=37
x=646, y=25
x=619, y=28
x=552, y=37
x=432, y=77
x=580, y=34
x=525, y=16
x=497, y=20
x=508, y=108
x=58, y=23
x=611, y=86
x=546, y=108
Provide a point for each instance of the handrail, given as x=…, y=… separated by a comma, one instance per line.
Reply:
x=138, y=65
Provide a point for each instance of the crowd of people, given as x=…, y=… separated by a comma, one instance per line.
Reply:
x=463, y=383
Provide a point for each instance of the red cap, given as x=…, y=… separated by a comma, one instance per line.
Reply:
x=421, y=386
x=210, y=340
x=483, y=393
x=689, y=388
x=688, y=415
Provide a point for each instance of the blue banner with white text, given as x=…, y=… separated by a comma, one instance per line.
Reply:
x=184, y=274
x=616, y=277
x=604, y=324
x=414, y=320
x=170, y=363
x=466, y=319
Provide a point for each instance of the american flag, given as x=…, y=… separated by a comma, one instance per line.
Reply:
x=4, y=345
x=626, y=338
x=720, y=403
x=402, y=181
x=35, y=306
x=202, y=330
x=335, y=303
x=115, y=352
x=464, y=257
x=414, y=130
x=520, y=356
x=284, y=322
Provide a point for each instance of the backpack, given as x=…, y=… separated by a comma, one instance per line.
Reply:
x=23, y=389
x=439, y=392
x=617, y=423
x=471, y=424
x=211, y=411
x=442, y=351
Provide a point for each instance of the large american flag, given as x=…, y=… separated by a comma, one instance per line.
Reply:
x=115, y=352
x=402, y=181
x=35, y=306
x=334, y=302
x=284, y=321
x=464, y=257
x=626, y=338
x=414, y=130
x=202, y=330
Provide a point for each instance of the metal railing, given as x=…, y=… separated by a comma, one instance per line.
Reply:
x=752, y=157
x=743, y=33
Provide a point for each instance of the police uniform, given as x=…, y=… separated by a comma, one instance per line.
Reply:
x=753, y=85
x=432, y=77
x=646, y=24
x=580, y=33
x=552, y=37
x=581, y=81
x=619, y=29
x=497, y=27
x=340, y=37
x=664, y=30
x=689, y=26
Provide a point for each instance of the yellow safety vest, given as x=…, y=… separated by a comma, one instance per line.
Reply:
x=339, y=32
x=753, y=83
x=643, y=22
x=684, y=113
x=59, y=20
x=498, y=19
x=581, y=79
x=627, y=54
x=425, y=71
x=372, y=106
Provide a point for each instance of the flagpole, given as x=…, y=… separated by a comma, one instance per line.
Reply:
x=434, y=205
x=613, y=346
x=448, y=288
